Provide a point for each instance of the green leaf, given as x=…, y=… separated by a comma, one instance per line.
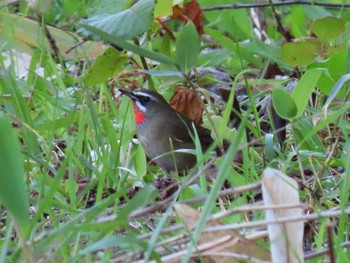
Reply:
x=328, y=28
x=313, y=143
x=163, y=8
x=254, y=48
x=127, y=24
x=240, y=24
x=316, y=12
x=336, y=66
x=284, y=104
x=120, y=42
x=337, y=87
x=114, y=241
x=13, y=194
x=105, y=66
x=300, y=53
x=161, y=73
x=187, y=48
x=297, y=21
x=103, y=7
x=302, y=91
x=140, y=162
x=269, y=146
x=222, y=39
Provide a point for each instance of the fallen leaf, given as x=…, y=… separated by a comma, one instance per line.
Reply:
x=191, y=11
x=187, y=102
x=221, y=246
x=286, y=238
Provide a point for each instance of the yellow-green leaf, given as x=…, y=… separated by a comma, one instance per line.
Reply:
x=300, y=53
x=284, y=104
x=328, y=28
x=107, y=65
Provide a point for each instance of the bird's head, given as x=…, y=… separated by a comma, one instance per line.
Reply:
x=146, y=104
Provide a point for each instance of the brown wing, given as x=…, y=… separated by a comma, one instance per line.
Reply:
x=183, y=137
x=185, y=133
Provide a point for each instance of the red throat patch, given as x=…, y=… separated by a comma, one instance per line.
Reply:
x=139, y=116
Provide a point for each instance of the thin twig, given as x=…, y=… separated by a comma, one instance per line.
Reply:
x=262, y=223
x=285, y=3
x=329, y=229
x=325, y=251
x=230, y=191
x=280, y=28
x=251, y=208
x=52, y=42
x=75, y=46
x=288, y=37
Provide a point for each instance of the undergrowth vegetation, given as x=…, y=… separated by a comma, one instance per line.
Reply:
x=75, y=186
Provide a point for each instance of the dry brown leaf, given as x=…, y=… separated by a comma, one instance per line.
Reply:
x=191, y=11
x=178, y=13
x=286, y=238
x=188, y=103
x=221, y=246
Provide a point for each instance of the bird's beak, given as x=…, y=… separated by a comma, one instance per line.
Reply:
x=130, y=94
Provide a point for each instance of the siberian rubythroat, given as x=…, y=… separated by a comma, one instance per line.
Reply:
x=166, y=134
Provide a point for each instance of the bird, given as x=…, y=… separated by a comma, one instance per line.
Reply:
x=166, y=134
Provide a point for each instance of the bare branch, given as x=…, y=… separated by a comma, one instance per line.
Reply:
x=263, y=5
x=325, y=251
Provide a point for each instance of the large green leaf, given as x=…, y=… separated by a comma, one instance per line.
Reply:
x=328, y=28
x=127, y=24
x=292, y=105
x=13, y=194
x=163, y=8
x=300, y=53
x=284, y=104
x=103, y=7
x=105, y=66
x=187, y=48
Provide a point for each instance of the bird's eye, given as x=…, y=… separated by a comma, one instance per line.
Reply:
x=146, y=99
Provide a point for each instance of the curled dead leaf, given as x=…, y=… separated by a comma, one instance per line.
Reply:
x=221, y=246
x=286, y=238
x=188, y=102
x=191, y=11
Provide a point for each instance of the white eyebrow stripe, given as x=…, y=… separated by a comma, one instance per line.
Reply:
x=140, y=93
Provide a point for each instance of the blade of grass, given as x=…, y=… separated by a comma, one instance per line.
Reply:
x=13, y=193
